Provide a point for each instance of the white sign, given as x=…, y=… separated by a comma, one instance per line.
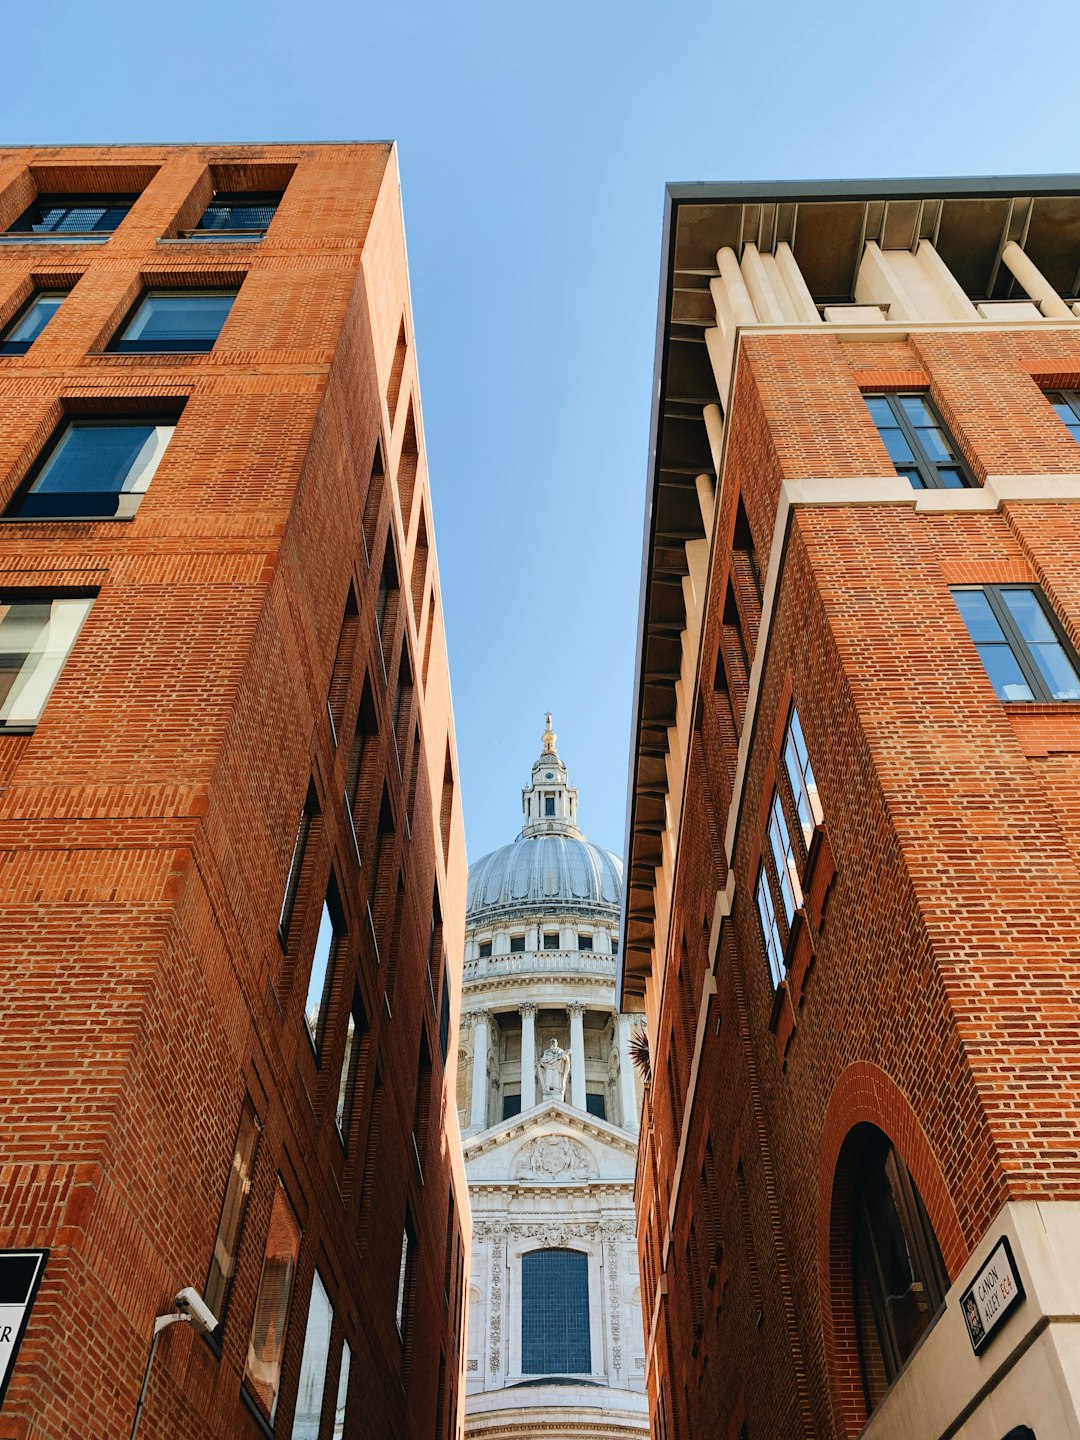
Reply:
x=991, y=1296
x=20, y=1276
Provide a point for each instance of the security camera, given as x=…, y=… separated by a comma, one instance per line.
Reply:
x=194, y=1309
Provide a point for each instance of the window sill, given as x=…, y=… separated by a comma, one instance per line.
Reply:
x=9, y=239
x=266, y=1426
x=211, y=237
x=66, y=519
x=153, y=356
x=1043, y=729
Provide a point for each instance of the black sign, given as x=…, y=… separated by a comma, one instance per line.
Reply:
x=20, y=1276
x=992, y=1295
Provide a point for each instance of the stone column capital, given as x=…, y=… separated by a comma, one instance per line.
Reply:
x=528, y=1007
x=576, y=1007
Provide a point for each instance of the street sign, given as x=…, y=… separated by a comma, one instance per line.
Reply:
x=992, y=1295
x=20, y=1276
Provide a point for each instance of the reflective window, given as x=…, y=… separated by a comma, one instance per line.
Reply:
x=801, y=777
x=262, y=1369
x=36, y=638
x=231, y=1223
x=770, y=930
x=309, y=1395
x=175, y=320
x=917, y=442
x=899, y=1276
x=31, y=321
x=342, y=1392
x=296, y=866
x=73, y=215
x=404, y=1268
x=784, y=857
x=94, y=470
x=555, y=1313
x=321, y=978
x=1066, y=404
x=239, y=213
x=1025, y=655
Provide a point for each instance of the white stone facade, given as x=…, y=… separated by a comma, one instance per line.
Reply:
x=549, y=1105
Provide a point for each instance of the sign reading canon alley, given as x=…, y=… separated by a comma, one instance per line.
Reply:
x=992, y=1295
x=20, y=1276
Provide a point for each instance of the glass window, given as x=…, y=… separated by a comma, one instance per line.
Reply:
x=231, y=1223
x=551, y=940
x=346, y=1081
x=72, y=215
x=1066, y=404
x=614, y=945
x=31, y=321
x=517, y=944
x=36, y=638
x=485, y=949
x=296, y=866
x=555, y=1313
x=262, y=1369
x=309, y=1395
x=175, y=320
x=404, y=1267
x=342, y=1392
x=94, y=470
x=1022, y=650
x=899, y=1276
x=511, y=1105
x=584, y=942
x=770, y=930
x=801, y=777
x=784, y=856
x=238, y=213
x=596, y=1105
x=549, y=804
x=917, y=442
x=321, y=978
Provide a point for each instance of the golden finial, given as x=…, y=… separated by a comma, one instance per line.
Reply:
x=549, y=737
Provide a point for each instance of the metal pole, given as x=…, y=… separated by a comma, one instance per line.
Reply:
x=159, y=1325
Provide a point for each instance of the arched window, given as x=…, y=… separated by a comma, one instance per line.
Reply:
x=555, y=1313
x=899, y=1276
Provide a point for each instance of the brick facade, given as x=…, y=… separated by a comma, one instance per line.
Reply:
x=148, y=822
x=929, y=987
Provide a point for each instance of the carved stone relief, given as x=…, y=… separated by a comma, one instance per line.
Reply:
x=556, y=1158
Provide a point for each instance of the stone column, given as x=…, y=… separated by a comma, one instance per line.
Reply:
x=481, y=1035
x=576, y=1010
x=627, y=1087
x=528, y=1055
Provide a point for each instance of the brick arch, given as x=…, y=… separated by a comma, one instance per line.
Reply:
x=866, y=1095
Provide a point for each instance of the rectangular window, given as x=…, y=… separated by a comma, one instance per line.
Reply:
x=93, y=470
x=511, y=1105
x=231, y=1222
x=801, y=777
x=31, y=321
x=401, y=1307
x=615, y=945
x=596, y=1104
x=262, y=1370
x=549, y=805
x=356, y=1030
x=517, y=944
x=770, y=931
x=175, y=321
x=72, y=216
x=444, y=1019
x=1066, y=404
x=36, y=637
x=342, y=1392
x=237, y=213
x=321, y=978
x=584, y=942
x=1025, y=654
x=784, y=856
x=309, y=1395
x=917, y=442
x=551, y=940
x=485, y=949
x=296, y=866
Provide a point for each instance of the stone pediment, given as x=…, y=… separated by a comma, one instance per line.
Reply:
x=552, y=1144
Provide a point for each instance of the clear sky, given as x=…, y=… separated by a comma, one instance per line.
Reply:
x=534, y=143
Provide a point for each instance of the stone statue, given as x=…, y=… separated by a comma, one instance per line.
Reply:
x=552, y=1070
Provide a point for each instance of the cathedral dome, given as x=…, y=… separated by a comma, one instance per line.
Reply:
x=556, y=873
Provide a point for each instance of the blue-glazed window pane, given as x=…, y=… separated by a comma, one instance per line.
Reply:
x=1005, y=673
x=1046, y=649
x=879, y=410
x=980, y=620
x=897, y=446
x=770, y=931
x=321, y=974
x=555, y=1313
x=30, y=322
x=1030, y=617
x=72, y=215
x=801, y=777
x=1067, y=415
x=185, y=321
x=239, y=212
x=784, y=856
x=96, y=471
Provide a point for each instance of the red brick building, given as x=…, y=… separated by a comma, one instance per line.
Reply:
x=853, y=879
x=232, y=869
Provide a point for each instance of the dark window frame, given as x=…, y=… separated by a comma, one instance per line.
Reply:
x=247, y=1112
x=236, y=200
x=1016, y=642
x=39, y=293
x=62, y=200
x=38, y=595
x=1071, y=400
x=924, y=464
x=118, y=346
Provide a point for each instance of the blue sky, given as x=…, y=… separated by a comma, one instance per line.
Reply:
x=534, y=144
